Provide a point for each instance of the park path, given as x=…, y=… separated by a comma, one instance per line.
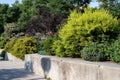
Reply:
x=16, y=71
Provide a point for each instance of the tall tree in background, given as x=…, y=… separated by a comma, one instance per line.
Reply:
x=25, y=7
x=111, y=5
x=14, y=12
x=47, y=16
x=9, y=14
x=80, y=2
x=3, y=16
x=28, y=8
x=54, y=10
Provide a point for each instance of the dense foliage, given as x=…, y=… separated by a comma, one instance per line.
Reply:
x=32, y=17
x=49, y=28
x=113, y=6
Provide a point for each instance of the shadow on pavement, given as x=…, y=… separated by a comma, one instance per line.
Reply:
x=12, y=74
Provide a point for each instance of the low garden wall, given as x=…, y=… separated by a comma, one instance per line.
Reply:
x=1, y=51
x=71, y=69
x=10, y=57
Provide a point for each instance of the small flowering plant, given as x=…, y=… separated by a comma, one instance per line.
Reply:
x=49, y=42
x=49, y=33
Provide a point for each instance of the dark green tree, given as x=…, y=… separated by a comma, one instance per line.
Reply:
x=80, y=2
x=26, y=10
x=43, y=10
x=3, y=16
x=113, y=6
x=13, y=12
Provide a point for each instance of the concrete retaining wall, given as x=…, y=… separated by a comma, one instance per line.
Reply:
x=71, y=69
x=1, y=51
x=1, y=58
x=10, y=57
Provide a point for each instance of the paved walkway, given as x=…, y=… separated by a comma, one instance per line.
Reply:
x=15, y=71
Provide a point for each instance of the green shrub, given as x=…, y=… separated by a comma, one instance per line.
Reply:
x=9, y=45
x=40, y=47
x=48, y=44
x=80, y=29
x=40, y=43
x=95, y=51
x=115, y=56
x=3, y=42
x=22, y=46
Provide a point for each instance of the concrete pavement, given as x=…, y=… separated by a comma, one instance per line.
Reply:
x=16, y=71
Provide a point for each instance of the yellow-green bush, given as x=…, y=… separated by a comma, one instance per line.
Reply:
x=80, y=29
x=91, y=26
x=9, y=45
x=22, y=46
x=58, y=49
